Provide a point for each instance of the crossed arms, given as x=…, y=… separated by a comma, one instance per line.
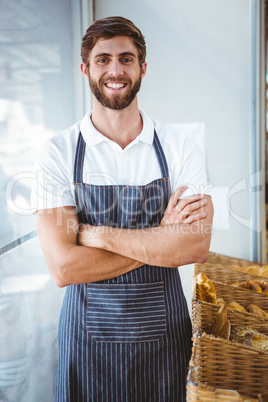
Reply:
x=92, y=253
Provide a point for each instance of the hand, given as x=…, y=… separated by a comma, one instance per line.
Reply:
x=184, y=210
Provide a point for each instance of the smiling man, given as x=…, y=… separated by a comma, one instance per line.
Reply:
x=122, y=89
x=115, y=220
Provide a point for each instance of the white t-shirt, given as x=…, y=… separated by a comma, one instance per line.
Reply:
x=106, y=163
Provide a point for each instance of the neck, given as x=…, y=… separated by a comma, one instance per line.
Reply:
x=120, y=126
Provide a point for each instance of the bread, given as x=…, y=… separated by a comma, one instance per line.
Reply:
x=256, y=310
x=250, y=337
x=205, y=289
x=221, y=326
x=220, y=319
x=254, y=284
x=221, y=302
x=265, y=288
x=225, y=330
x=236, y=306
x=264, y=271
x=257, y=270
x=252, y=269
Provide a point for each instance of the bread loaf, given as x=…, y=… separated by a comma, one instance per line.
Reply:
x=221, y=326
x=256, y=310
x=205, y=289
x=250, y=337
x=257, y=270
x=254, y=284
x=236, y=306
x=221, y=302
x=251, y=285
x=265, y=288
x=225, y=330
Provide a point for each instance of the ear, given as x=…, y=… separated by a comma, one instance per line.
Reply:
x=143, y=69
x=84, y=70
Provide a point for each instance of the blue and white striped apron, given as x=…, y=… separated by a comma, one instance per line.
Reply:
x=126, y=339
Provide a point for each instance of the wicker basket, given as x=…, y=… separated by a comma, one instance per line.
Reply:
x=232, y=293
x=202, y=392
x=204, y=314
x=218, y=365
x=215, y=258
x=249, y=267
x=226, y=274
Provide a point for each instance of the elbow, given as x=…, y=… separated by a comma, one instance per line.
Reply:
x=203, y=239
x=59, y=274
x=202, y=257
x=203, y=251
x=59, y=282
x=198, y=253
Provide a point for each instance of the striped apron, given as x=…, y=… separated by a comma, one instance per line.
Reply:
x=126, y=339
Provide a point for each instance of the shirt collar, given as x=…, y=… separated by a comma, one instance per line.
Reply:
x=93, y=137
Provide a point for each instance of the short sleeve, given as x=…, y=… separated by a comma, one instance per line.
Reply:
x=193, y=171
x=52, y=184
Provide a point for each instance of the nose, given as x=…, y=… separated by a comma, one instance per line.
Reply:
x=115, y=68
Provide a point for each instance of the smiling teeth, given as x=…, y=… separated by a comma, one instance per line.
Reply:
x=115, y=85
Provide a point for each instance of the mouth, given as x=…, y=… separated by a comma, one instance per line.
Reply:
x=115, y=85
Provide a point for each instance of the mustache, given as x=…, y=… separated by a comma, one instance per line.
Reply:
x=116, y=79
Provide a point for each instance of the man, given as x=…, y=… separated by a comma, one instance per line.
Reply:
x=113, y=235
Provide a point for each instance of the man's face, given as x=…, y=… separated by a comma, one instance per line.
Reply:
x=114, y=72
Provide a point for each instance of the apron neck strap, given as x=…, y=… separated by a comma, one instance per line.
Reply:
x=80, y=155
x=160, y=156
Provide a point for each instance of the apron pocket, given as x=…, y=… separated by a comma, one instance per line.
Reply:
x=126, y=312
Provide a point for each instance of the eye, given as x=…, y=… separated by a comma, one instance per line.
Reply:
x=126, y=60
x=102, y=60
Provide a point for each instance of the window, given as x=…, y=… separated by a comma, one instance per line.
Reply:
x=40, y=95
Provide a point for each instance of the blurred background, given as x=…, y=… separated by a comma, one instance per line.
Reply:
x=206, y=71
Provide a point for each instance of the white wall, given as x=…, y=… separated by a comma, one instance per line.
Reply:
x=199, y=70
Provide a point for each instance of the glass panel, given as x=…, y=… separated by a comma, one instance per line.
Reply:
x=29, y=313
x=265, y=61
x=36, y=98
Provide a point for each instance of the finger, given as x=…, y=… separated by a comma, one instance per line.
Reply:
x=195, y=217
x=174, y=198
x=82, y=228
x=194, y=206
x=177, y=216
x=183, y=202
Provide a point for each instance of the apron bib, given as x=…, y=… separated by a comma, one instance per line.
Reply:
x=126, y=339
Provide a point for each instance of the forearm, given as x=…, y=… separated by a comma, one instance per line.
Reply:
x=70, y=263
x=79, y=264
x=168, y=245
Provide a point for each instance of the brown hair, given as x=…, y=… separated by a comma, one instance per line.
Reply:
x=109, y=27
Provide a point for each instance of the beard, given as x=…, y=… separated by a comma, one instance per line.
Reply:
x=116, y=102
